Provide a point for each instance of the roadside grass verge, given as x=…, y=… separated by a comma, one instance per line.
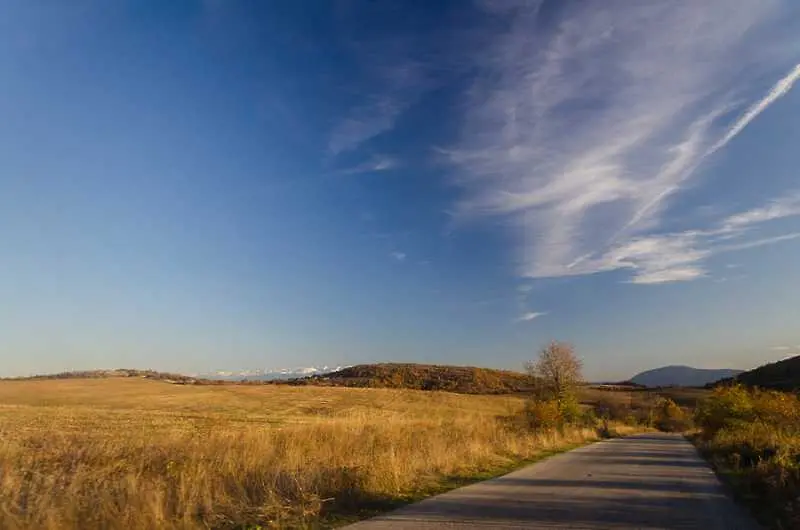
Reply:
x=552, y=443
x=136, y=454
x=752, y=439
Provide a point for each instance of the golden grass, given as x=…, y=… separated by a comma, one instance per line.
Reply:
x=136, y=454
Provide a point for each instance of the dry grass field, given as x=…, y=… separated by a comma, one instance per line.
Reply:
x=135, y=454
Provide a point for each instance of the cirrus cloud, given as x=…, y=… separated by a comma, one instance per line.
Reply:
x=581, y=130
x=530, y=315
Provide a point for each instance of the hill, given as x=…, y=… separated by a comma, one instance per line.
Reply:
x=682, y=376
x=461, y=379
x=780, y=375
x=118, y=372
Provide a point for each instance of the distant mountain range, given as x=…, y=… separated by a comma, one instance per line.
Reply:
x=269, y=374
x=682, y=376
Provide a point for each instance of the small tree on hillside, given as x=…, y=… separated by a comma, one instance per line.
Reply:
x=558, y=372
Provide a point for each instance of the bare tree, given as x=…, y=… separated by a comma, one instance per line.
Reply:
x=558, y=370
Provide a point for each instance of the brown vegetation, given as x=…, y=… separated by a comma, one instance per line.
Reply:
x=461, y=379
x=557, y=376
x=135, y=454
x=557, y=371
x=753, y=438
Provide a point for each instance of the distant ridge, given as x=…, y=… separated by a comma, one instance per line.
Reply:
x=682, y=376
x=214, y=378
x=118, y=372
x=460, y=379
x=780, y=375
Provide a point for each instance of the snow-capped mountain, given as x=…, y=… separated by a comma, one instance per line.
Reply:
x=270, y=373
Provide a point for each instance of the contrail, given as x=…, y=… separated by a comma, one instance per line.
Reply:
x=779, y=89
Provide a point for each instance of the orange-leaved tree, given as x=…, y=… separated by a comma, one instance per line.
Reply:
x=558, y=372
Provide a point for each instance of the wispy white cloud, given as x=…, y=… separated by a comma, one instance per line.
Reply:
x=365, y=122
x=393, y=82
x=581, y=133
x=375, y=164
x=530, y=315
x=653, y=259
x=777, y=209
x=398, y=256
x=781, y=348
x=758, y=242
x=680, y=256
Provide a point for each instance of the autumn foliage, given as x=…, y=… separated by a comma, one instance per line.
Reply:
x=461, y=379
x=754, y=437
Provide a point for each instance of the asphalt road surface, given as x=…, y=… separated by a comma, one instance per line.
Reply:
x=647, y=481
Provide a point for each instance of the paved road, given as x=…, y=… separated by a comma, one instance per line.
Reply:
x=647, y=481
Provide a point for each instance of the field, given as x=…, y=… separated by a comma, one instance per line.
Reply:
x=133, y=453
x=643, y=398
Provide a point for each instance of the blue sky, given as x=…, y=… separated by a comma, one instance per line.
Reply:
x=193, y=186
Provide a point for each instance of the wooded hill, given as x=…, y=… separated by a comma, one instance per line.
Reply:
x=462, y=379
x=780, y=375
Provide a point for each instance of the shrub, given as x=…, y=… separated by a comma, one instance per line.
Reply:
x=670, y=417
x=609, y=409
x=726, y=407
x=570, y=410
x=543, y=415
x=754, y=436
x=588, y=418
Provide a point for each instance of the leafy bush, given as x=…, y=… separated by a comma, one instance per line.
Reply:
x=670, y=417
x=588, y=418
x=753, y=436
x=726, y=407
x=543, y=415
x=570, y=410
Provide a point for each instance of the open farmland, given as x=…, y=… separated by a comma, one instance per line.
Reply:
x=134, y=453
x=637, y=397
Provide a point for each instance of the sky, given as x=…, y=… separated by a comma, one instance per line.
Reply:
x=210, y=185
